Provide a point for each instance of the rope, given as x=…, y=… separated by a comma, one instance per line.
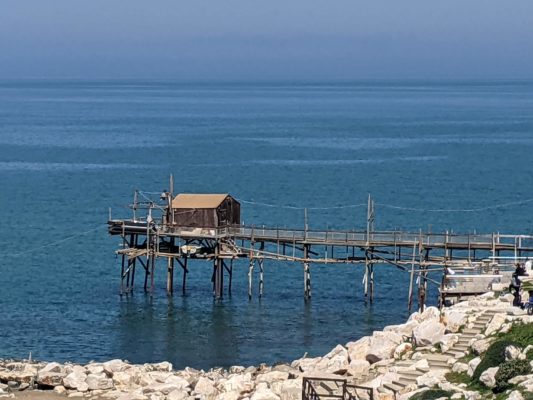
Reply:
x=496, y=206
x=300, y=208
x=493, y=207
x=56, y=242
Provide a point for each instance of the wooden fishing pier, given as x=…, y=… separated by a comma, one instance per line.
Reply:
x=207, y=227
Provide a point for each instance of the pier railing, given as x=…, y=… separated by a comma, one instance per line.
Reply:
x=335, y=389
x=492, y=241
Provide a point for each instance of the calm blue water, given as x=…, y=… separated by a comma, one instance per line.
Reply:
x=71, y=149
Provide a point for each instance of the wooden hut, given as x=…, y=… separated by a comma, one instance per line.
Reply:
x=205, y=210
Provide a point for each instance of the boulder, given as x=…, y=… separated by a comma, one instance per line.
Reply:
x=50, y=378
x=94, y=368
x=272, y=376
x=238, y=382
x=480, y=346
x=357, y=350
x=431, y=378
x=429, y=314
x=507, y=298
x=178, y=395
x=17, y=376
x=515, y=395
x=114, y=366
x=99, y=382
x=206, y=388
x=60, y=389
x=488, y=377
x=472, y=365
x=382, y=346
x=454, y=319
x=232, y=395
x=291, y=389
x=306, y=364
x=76, y=381
x=402, y=329
x=402, y=349
x=358, y=367
x=495, y=324
x=513, y=353
x=428, y=333
x=459, y=367
x=264, y=394
x=133, y=395
x=51, y=367
x=448, y=341
x=336, y=360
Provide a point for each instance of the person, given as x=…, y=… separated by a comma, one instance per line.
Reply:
x=515, y=285
x=528, y=266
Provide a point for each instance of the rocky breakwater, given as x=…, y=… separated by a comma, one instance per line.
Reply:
x=378, y=361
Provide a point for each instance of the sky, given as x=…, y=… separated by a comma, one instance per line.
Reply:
x=269, y=39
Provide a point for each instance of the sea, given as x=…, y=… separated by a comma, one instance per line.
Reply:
x=434, y=155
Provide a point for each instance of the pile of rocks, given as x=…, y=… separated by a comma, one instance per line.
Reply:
x=374, y=361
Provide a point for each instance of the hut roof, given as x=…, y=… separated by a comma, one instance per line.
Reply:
x=189, y=200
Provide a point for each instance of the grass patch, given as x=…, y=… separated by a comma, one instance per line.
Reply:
x=432, y=394
x=521, y=334
x=458, y=377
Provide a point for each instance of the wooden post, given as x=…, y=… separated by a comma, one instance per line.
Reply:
x=371, y=282
x=230, y=276
x=170, y=275
x=307, y=274
x=261, y=261
x=411, y=278
x=185, y=272
x=365, y=277
x=251, y=270
x=218, y=274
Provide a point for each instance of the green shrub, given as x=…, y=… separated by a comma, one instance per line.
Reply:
x=432, y=394
x=509, y=370
x=494, y=356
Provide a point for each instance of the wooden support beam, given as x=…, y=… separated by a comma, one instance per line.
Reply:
x=307, y=274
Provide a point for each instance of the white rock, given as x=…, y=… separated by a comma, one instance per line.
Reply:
x=232, y=395
x=402, y=329
x=430, y=313
x=51, y=367
x=358, y=367
x=357, y=350
x=459, y=367
x=60, y=389
x=431, y=378
x=264, y=394
x=336, y=360
x=515, y=395
x=291, y=389
x=205, y=387
x=178, y=381
x=272, y=376
x=402, y=349
x=133, y=395
x=238, y=382
x=480, y=346
x=428, y=333
x=306, y=364
x=115, y=366
x=75, y=380
x=472, y=365
x=495, y=324
x=507, y=298
x=513, y=353
x=94, y=368
x=448, y=341
x=382, y=346
x=177, y=395
x=99, y=382
x=488, y=377
x=50, y=378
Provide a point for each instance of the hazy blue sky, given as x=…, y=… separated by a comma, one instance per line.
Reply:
x=267, y=39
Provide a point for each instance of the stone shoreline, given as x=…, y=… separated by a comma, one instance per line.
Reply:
x=374, y=361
